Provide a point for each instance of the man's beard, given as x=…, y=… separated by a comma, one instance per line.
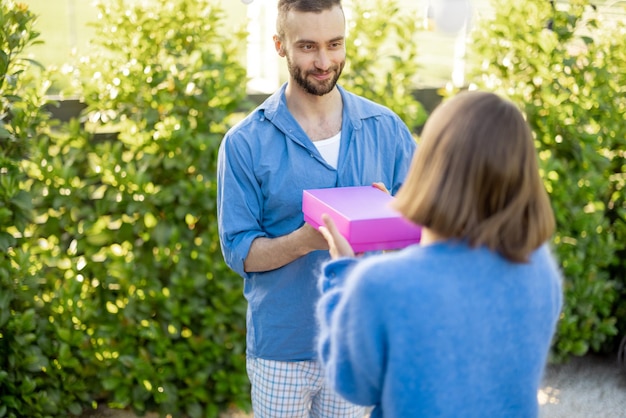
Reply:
x=319, y=88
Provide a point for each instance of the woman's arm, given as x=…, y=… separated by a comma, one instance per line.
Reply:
x=352, y=341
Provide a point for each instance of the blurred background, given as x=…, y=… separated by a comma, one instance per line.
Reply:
x=65, y=26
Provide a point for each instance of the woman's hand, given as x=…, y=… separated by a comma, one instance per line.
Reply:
x=337, y=244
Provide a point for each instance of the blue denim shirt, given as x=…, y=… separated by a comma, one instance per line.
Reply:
x=264, y=164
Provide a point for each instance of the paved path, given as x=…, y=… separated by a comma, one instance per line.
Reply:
x=592, y=386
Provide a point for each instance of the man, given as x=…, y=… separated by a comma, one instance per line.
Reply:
x=310, y=134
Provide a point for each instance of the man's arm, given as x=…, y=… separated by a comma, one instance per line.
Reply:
x=271, y=253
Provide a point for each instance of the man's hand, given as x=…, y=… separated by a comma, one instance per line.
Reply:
x=314, y=239
x=380, y=186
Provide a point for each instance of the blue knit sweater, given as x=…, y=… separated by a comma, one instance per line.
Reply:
x=441, y=330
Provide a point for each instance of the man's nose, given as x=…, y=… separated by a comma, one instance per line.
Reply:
x=323, y=60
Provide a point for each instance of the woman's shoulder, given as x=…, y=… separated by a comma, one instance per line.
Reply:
x=413, y=261
x=544, y=258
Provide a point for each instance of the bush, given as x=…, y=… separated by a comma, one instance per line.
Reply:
x=564, y=67
x=381, y=62
x=36, y=368
x=126, y=227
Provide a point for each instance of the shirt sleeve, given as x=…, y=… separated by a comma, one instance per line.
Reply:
x=238, y=201
x=406, y=146
x=351, y=344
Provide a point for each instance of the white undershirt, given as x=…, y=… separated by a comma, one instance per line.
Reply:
x=329, y=148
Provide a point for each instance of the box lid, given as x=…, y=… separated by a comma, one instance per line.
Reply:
x=362, y=215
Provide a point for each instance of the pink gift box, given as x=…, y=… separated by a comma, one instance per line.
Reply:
x=362, y=215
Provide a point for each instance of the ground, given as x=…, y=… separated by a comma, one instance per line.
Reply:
x=593, y=386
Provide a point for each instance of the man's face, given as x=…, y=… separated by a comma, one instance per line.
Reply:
x=314, y=46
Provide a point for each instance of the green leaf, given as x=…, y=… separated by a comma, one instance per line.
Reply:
x=111, y=383
x=6, y=241
x=23, y=200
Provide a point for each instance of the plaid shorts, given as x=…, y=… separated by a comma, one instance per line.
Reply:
x=295, y=390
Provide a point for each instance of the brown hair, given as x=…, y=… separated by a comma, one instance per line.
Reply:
x=475, y=177
x=314, y=6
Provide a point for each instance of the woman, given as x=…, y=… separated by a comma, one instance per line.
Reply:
x=461, y=324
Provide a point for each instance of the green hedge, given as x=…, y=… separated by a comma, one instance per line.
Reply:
x=382, y=57
x=121, y=293
x=564, y=65
x=130, y=225
x=33, y=378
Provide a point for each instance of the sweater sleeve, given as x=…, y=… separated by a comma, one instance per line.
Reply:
x=351, y=344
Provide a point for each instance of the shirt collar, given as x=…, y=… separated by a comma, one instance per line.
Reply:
x=355, y=109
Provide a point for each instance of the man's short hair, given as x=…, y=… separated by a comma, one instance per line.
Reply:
x=312, y=6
